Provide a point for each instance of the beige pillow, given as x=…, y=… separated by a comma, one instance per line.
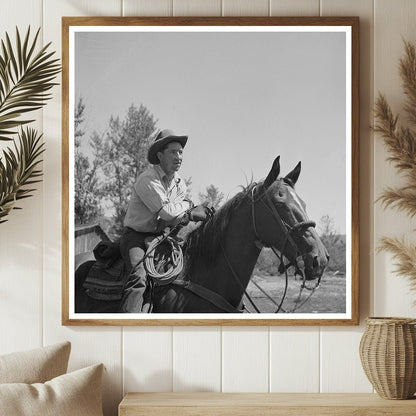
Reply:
x=35, y=366
x=73, y=394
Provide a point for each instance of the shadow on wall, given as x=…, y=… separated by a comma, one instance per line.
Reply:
x=112, y=394
x=160, y=381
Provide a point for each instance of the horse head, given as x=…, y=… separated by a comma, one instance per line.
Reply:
x=281, y=222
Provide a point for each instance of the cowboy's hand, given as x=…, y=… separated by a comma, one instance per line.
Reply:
x=210, y=208
x=199, y=213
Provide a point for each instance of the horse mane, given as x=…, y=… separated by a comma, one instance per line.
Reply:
x=204, y=243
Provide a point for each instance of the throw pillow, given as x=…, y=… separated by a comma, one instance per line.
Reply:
x=73, y=394
x=35, y=366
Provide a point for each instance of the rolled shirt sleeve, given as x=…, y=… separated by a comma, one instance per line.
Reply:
x=155, y=203
x=154, y=196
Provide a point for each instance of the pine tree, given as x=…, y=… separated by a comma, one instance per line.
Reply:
x=212, y=196
x=123, y=156
x=87, y=202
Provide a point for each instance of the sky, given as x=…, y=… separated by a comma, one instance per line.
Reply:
x=242, y=98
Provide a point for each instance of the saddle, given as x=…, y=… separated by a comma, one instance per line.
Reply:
x=107, y=276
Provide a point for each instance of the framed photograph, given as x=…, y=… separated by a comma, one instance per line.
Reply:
x=210, y=171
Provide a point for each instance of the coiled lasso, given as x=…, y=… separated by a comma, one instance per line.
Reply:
x=175, y=260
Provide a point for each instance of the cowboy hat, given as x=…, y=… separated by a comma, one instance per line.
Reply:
x=163, y=138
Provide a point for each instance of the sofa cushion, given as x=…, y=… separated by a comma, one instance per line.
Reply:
x=35, y=366
x=73, y=394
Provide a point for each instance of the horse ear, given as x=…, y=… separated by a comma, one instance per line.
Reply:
x=273, y=174
x=294, y=175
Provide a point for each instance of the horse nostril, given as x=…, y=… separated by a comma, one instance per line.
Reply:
x=327, y=257
x=315, y=263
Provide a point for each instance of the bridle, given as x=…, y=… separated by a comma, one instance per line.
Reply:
x=290, y=232
x=257, y=193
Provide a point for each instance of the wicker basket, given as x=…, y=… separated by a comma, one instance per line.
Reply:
x=388, y=356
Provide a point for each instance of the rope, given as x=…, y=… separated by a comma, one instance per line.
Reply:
x=174, y=259
x=173, y=262
x=286, y=280
x=264, y=292
x=298, y=303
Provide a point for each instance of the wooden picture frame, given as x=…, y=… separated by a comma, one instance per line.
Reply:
x=309, y=102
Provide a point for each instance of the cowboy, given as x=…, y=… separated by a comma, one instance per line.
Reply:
x=158, y=200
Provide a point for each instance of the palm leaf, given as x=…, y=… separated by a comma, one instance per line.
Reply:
x=25, y=79
x=18, y=170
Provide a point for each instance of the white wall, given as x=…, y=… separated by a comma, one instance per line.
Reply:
x=256, y=359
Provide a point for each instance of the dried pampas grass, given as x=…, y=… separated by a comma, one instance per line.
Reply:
x=401, y=143
x=404, y=254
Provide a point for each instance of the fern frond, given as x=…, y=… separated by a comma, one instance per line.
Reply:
x=404, y=255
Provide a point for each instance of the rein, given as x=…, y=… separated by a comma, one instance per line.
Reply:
x=288, y=238
x=170, y=277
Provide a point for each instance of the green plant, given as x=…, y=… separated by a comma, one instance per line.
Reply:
x=26, y=77
x=401, y=142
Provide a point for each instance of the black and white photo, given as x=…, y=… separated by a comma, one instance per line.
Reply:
x=212, y=171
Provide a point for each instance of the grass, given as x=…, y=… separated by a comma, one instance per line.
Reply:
x=329, y=297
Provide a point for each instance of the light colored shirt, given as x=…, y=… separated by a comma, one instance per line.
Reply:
x=155, y=201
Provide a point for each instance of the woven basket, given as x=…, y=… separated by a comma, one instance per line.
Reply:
x=388, y=356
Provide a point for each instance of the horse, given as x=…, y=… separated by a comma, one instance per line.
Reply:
x=220, y=255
